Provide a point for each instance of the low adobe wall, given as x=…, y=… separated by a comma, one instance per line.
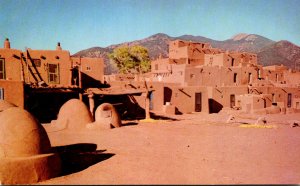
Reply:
x=13, y=92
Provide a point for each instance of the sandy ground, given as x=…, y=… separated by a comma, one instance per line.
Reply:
x=193, y=149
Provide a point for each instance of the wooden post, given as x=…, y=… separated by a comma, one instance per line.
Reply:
x=91, y=103
x=147, y=101
x=79, y=77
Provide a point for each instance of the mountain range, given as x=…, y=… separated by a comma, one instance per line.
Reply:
x=269, y=52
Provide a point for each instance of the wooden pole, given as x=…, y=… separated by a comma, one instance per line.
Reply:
x=147, y=101
x=91, y=103
x=79, y=78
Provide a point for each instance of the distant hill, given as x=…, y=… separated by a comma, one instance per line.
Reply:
x=269, y=52
x=282, y=52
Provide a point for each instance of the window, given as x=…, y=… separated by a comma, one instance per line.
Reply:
x=53, y=73
x=192, y=76
x=232, y=62
x=234, y=77
x=37, y=62
x=88, y=68
x=1, y=94
x=2, y=68
x=289, y=103
x=232, y=100
x=250, y=78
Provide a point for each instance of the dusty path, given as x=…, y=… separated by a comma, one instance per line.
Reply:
x=197, y=149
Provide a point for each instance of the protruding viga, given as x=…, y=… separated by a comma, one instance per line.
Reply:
x=25, y=149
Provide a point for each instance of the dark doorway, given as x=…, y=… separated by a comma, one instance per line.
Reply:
x=250, y=78
x=234, y=77
x=198, y=103
x=289, y=103
x=167, y=94
x=232, y=100
x=75, y=76
x=214, y=106
x=151, y=96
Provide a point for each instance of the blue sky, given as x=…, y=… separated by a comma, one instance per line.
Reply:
x=81, y=24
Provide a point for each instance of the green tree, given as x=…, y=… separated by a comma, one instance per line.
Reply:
x=133, y=59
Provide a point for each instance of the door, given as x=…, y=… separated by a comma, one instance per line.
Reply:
x=250, y=78
x=289, y=103
x=198, y=99
x=1, y=94
x=151, y=100
x=232, y=100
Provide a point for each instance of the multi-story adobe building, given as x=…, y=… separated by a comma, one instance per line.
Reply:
x=198, y=78
x=32, y=77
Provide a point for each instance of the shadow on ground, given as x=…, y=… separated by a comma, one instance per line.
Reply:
x=160, y=117
x=77, y=157
x=129, y=123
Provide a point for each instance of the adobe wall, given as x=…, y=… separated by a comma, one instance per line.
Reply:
x=190, y=51
x=215, y=59
x=251, y=103
x=280, y=95
x=176, y=74
x=219, y=76
x=183, y=97
x=274, y=76
x=160, y=65
x=60, y=57
x=222, y=95
x=157, y=97
x=13, y=92
x=292, y=78
x=13, y=66
x=243, y=58
x=93, y=67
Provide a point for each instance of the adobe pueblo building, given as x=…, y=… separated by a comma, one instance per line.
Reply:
x=198, y=78
x=42, y=80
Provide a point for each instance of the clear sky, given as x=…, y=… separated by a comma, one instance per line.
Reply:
x=81, y=24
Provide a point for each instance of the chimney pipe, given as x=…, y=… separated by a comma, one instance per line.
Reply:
x=58, y=47
x=6, y=43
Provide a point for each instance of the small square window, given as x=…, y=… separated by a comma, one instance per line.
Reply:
x=37, y=62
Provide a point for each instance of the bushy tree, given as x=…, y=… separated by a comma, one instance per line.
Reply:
x=133, y=59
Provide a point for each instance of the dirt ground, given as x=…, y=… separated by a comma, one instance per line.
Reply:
x=190, y=149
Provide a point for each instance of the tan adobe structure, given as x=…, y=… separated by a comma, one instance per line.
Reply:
x=207, y=80
x=25, y=149
x=26, y=77
x=106, y=116
x=73, y=115
x=198, y=78
x=52, y=67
